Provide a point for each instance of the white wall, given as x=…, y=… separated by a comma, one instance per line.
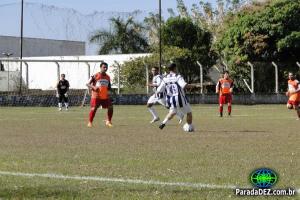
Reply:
x=9, y=81
x=42, y=75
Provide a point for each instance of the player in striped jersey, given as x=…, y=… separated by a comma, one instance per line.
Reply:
x=176, y=100
x=158, y=97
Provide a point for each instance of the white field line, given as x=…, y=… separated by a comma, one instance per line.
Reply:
x=120, y=180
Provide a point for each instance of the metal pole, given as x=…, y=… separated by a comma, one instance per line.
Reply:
x=201, y=77
x=160, y=50
x=252, y=77
x=21, y=43
x=276, y=77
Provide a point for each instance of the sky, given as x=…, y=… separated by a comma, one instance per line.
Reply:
x=89, y=6
x=48, y=23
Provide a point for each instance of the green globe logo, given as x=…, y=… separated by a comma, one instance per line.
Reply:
x=263, y=178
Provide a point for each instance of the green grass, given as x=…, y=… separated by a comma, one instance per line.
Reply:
x=222, y=151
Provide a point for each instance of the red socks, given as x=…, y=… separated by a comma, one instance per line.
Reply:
x=109, y=114
x=92, y=114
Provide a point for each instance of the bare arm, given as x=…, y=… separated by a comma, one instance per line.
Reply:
x=218, y=87
x=90, y=85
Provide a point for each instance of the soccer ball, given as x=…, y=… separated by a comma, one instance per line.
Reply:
x=188, y=127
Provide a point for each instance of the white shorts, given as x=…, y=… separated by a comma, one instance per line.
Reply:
x=153, y=100
x=185, y=109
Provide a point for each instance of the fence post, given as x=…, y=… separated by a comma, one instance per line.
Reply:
x=252, y=77
x=226, y=67
x=147, y=79
x=201, y=77
x=119, y=68
x=276, y=77
x=88, y=70
x=298, y=64
x=58, y=71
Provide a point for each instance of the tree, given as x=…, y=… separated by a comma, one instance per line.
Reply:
x=182, y=35
x=262, y=33
x=125, y=37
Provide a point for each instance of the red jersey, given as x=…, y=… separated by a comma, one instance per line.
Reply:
x=102, y=82
x=292, y=86
x=224, y=86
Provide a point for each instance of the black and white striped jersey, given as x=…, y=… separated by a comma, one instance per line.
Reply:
x=157, y=80
x=173, y=84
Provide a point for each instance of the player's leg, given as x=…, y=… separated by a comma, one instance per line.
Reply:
x=179, y=114
x=66, y=100
x=107, y=104
x=189, y=116
x=93, y=110
x=289, y=105
x=60, y=98
x=296, y=107
x=221, y=109
x=152, y=100
x=170, y=115
x=221, y=103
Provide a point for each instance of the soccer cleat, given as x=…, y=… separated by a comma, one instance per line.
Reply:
x=154, y=120
x=109, y=124
x=161, y=126
x=221, y=114
x=90, y=125
x=59, y=109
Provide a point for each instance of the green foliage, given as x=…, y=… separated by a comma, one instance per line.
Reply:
x=125, y=37
x=268, y=33
x=189, y=44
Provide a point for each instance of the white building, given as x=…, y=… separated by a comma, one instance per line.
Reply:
x=44, y=75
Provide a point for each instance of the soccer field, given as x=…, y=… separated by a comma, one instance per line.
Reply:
x=137, y=160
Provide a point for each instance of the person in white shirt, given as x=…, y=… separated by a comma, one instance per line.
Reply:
x=174, y=84
x=158, y=97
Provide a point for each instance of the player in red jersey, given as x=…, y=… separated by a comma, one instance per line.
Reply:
x=294, y=94
x=224, y=89
x=100, y=85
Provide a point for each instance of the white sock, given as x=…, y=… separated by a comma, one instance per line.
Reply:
x=67, y=105
x=153, y=112
x=59, y=105
x=165, y=121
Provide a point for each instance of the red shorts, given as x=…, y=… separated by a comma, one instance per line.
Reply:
x=225, y=98
x=105, y=103
x=294, y=103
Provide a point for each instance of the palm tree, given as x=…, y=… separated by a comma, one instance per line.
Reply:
x=125, y=37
